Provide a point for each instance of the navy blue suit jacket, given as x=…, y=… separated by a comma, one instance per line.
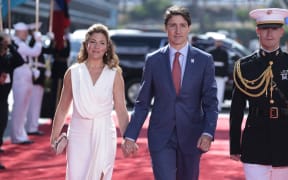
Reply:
x=192, y=112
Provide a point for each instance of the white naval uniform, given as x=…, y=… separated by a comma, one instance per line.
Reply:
x=34, y=109
x=221, y=84
x=35, y=105
x=22, y=90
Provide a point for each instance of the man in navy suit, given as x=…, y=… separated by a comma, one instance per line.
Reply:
x=182, y=124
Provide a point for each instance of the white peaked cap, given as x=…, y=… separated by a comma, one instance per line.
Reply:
x=270, y=17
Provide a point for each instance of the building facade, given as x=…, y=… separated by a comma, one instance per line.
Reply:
x=83, y=13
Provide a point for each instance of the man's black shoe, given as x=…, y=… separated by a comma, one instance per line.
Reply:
x=36, y=133
x=25, y=142
x=2, y=167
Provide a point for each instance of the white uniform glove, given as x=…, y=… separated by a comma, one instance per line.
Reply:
x=36, y=73
x=47, y=73
x=37, y=36
x=50, y=35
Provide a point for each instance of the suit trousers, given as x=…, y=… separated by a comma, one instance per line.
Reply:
x=264, y=172
x=34, y=108
x=22, y=91
x=170, y=163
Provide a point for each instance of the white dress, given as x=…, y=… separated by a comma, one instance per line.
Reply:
x=91, y=133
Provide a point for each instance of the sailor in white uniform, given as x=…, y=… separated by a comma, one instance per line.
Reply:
x=22, y=82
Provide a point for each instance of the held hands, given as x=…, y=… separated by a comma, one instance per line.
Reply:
x=129, y=147
x=204, y=143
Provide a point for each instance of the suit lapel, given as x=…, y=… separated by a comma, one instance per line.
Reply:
x=167, y=67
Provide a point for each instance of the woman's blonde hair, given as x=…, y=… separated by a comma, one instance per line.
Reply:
x=110, y=57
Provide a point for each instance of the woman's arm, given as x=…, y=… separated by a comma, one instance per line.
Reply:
x=119, y=102
x=63, y=107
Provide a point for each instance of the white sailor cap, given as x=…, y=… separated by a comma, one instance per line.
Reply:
x=20, y=26
x=270, y=17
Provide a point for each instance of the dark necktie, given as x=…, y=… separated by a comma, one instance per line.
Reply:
x=176, y=73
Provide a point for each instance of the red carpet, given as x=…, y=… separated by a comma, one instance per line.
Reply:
x=37, y=162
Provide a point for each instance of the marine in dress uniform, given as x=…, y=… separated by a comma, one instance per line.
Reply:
x=261, y=79
x=22, y=83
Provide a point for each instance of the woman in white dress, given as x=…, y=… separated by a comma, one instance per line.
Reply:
x=96, y=86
